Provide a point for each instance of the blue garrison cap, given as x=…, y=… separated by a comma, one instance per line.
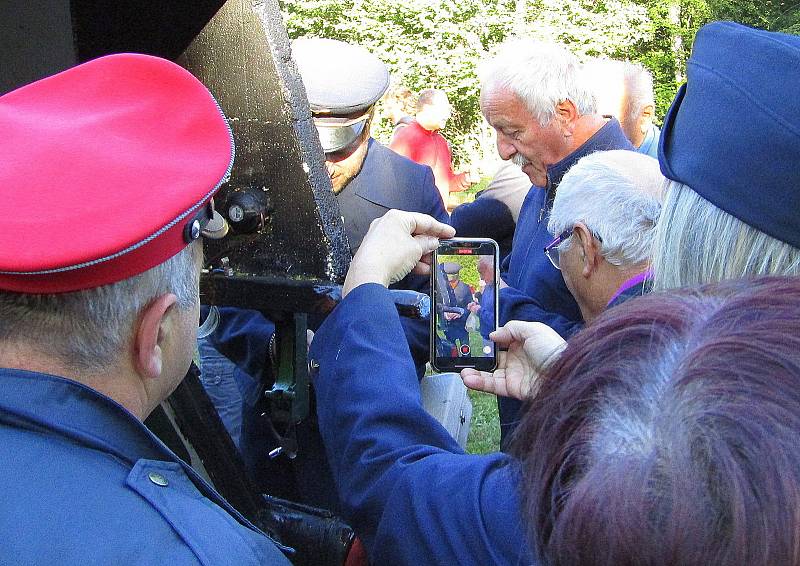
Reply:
x=732, y=133
x=343, y=82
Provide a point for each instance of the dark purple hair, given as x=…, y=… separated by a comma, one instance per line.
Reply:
x=668, y=433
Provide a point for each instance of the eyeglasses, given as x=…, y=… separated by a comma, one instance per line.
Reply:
x=551, y=249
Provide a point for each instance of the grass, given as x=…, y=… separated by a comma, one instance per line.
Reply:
x=484, y=433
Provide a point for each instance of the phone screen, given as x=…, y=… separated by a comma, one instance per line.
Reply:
x=464, y=289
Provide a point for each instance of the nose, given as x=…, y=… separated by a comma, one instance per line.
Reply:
x=505, y=148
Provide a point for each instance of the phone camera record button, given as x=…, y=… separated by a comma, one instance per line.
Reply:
x=465, y=350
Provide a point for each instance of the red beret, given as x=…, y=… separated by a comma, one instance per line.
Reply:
x=105, y=168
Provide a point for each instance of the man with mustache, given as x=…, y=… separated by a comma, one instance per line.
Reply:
x=536, y=98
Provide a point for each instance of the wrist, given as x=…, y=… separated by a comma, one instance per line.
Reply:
x=362, y=276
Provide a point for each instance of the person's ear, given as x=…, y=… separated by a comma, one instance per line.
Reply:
x=150, y=334
x=567, y=115
x=590, y=249
x=646, y=117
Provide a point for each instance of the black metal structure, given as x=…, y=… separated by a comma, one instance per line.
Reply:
x=287, y=250
x=285, y=219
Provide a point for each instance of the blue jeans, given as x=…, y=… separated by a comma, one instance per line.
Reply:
x=218, y=376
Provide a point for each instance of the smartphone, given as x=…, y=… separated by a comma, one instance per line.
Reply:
x=464, y=275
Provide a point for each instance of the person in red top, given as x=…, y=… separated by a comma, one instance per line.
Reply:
x=422, y=142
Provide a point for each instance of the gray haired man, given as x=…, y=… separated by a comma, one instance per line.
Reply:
x=605, y=217
x=97, y=328
x=624, y=89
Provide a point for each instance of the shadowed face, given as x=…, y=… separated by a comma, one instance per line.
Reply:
x=344, y=165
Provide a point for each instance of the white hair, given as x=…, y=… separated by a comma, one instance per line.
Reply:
x=90, y=328
x=541, y=74
x=617, y=195
x=639, y=88
x=620, y=87
x=697, y=243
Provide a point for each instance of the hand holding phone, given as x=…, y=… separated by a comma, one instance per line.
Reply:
x=462, y=314
x=532, y=347
x=410, y=235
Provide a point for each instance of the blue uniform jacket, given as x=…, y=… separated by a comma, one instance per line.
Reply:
x=387, y=180
x=85, y=482
x=536, y=291
x=411, y=493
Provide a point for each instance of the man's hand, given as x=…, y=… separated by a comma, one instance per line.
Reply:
x=396, y=244
x=450, y=316
x=474, y=307
x=532, y=346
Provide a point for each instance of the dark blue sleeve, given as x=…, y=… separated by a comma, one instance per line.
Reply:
x=243, y=337
x=484, y=218
x=516, y=305
x=432, y=199
x=407, y=488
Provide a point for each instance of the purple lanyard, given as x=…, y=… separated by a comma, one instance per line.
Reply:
x=633, y=281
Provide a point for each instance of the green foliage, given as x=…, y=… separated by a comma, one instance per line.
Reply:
x=439, y=43
x=469, y=268
x=775, y=15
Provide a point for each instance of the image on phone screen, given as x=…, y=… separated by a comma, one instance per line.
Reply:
x=465, y=304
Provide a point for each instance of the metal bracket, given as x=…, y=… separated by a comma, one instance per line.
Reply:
x=289, y=395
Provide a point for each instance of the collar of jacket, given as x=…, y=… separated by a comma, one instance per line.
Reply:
x=79, y=413
x=610, y=136
x=383, y=180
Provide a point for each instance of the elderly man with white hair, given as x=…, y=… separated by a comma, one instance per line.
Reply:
x=604, y=218
x=536, y=98
x=624, y=89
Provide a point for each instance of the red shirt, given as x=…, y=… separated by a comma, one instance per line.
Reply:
x=430, y=148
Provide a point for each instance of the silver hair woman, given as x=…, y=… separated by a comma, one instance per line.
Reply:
x=729, y=145
x=696, y=242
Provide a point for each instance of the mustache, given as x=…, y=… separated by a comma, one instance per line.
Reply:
x=519, y=160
